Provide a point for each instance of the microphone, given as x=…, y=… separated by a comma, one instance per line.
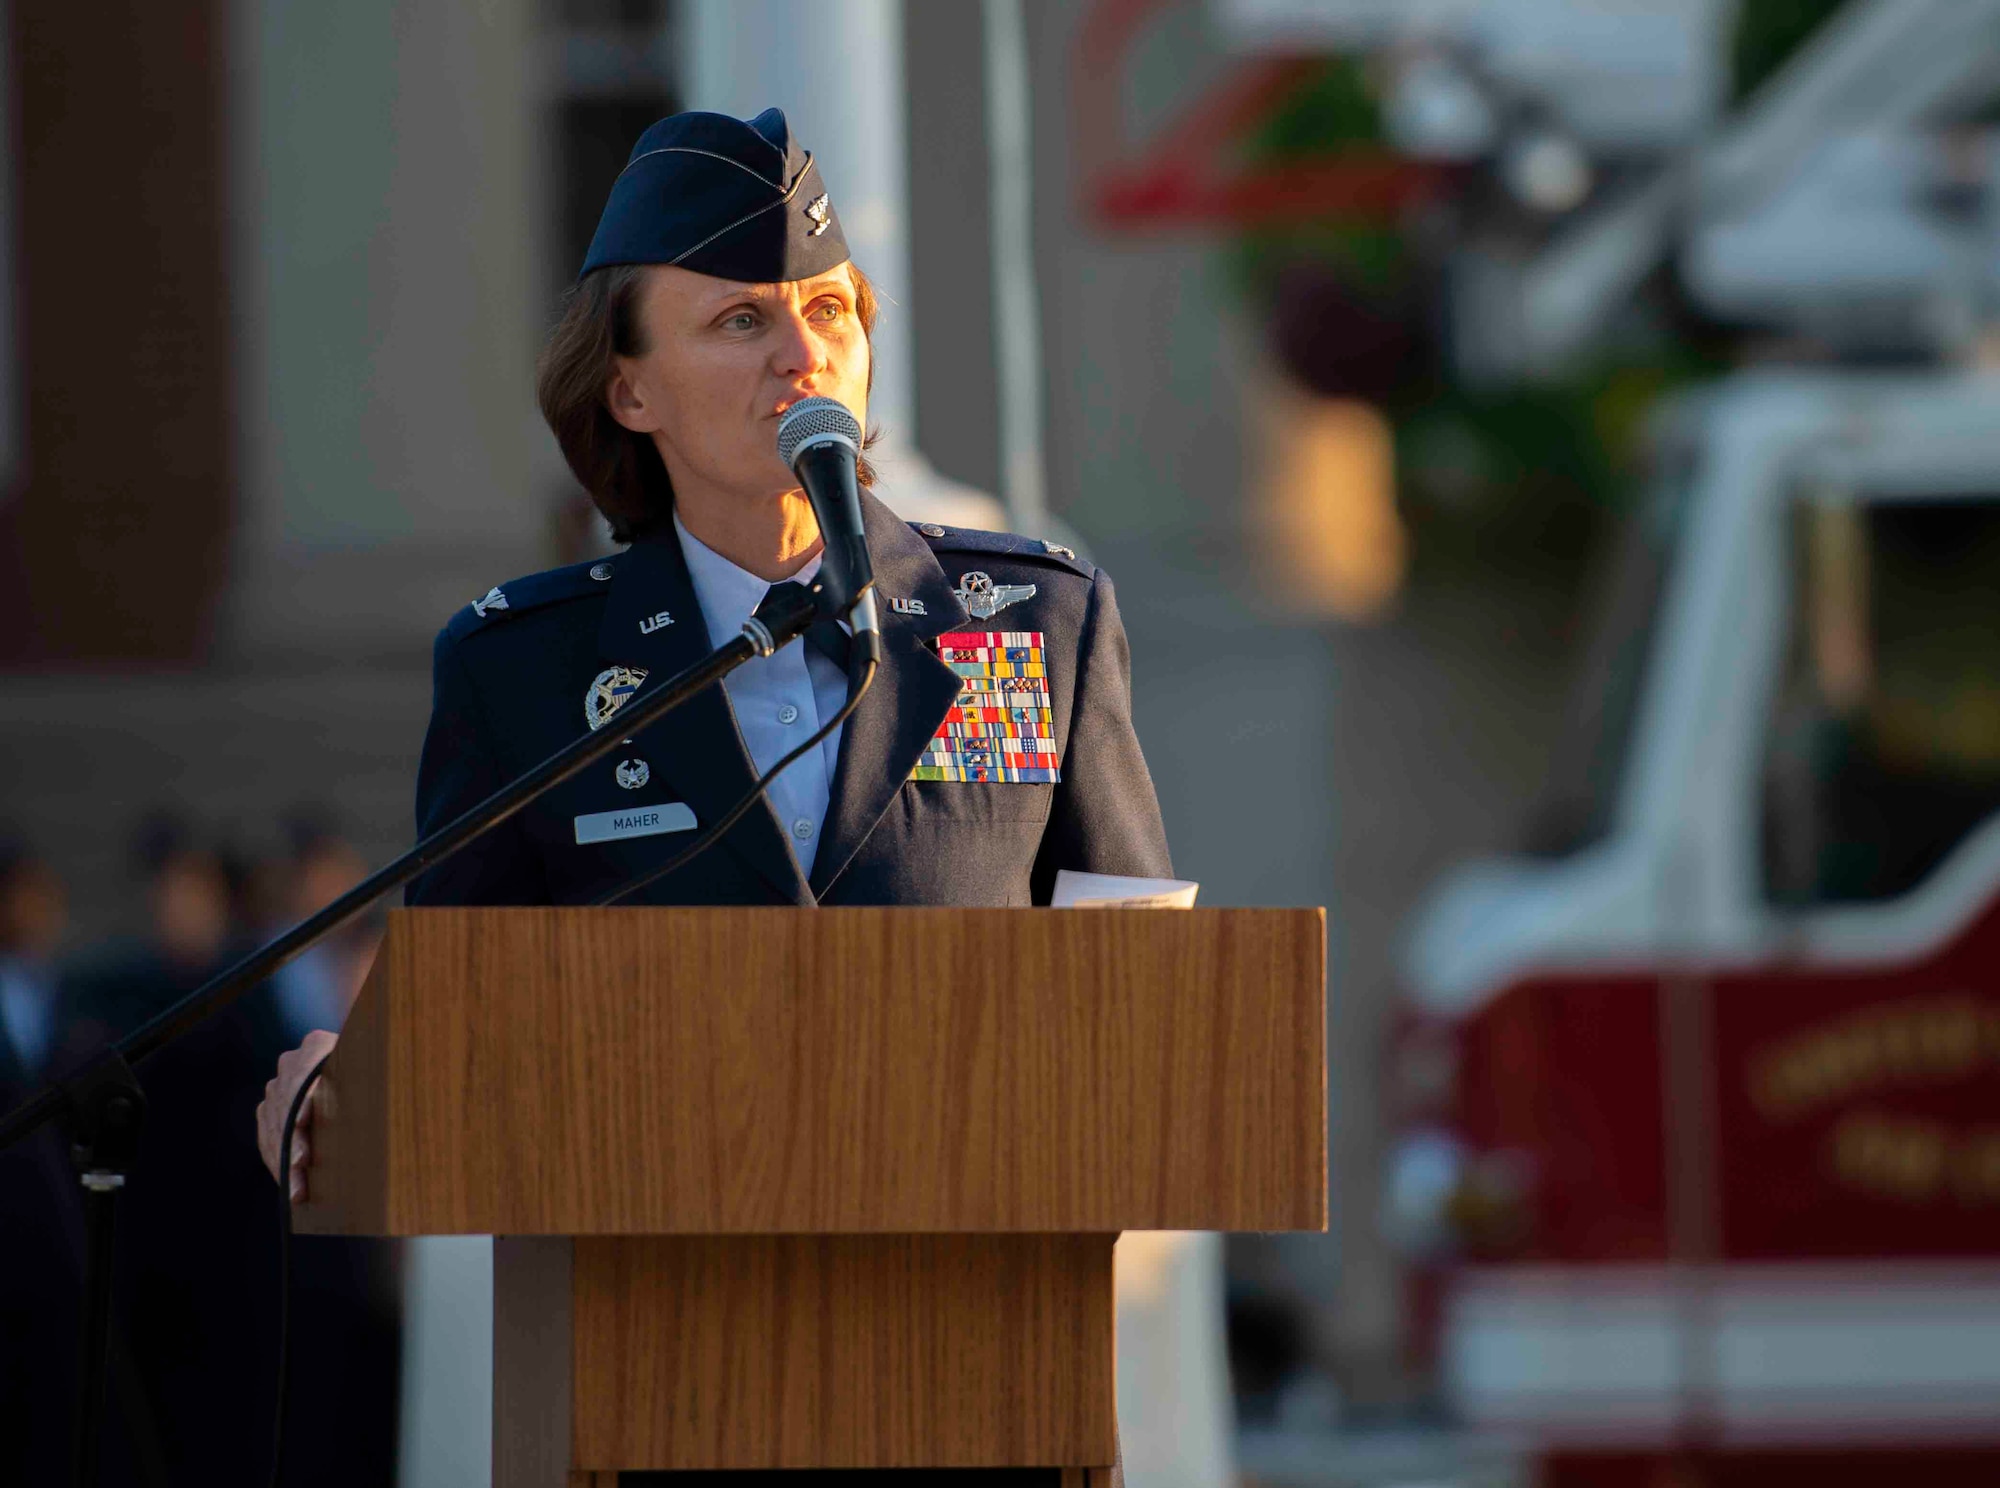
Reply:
x=820, y=442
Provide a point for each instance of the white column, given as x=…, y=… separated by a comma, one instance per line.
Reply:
x=1017, y=308
x=447, y=1409
x=836, y=68
x=1175, y=1417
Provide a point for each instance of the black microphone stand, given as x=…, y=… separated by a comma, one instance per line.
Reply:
x=102, y=1104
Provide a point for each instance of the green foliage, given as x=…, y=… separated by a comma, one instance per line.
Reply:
x=1535, y=468
x=1334, y=110
x=1767, y=33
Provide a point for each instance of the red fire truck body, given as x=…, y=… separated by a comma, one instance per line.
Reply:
x=1704, y=1153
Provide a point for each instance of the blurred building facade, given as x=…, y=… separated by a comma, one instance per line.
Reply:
x=1345, y=322
x=316, y=296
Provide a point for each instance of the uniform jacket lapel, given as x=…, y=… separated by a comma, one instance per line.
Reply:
x=697, y=748
x=912, y=692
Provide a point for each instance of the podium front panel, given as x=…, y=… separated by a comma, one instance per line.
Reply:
x=659, y=1071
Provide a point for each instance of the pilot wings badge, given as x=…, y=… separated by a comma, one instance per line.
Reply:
x=983, y=599
x=608, y=692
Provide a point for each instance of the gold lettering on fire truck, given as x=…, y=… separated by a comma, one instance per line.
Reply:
x=1907, y=1044
x=1915, y=1161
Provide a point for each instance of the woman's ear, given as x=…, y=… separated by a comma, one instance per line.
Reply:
x=627, y=403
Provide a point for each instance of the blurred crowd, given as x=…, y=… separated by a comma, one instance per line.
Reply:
x=195, y=1332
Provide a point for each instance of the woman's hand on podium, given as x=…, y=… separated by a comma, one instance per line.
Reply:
x=278, y=1094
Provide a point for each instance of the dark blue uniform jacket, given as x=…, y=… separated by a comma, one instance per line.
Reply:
x=511, y=682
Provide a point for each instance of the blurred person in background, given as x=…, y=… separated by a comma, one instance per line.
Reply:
x=190, y=922
x=190, y=899
x=199, y=1242
x=34, y=911
x=315, y=990
x=41, y=1236
x=41, y=1229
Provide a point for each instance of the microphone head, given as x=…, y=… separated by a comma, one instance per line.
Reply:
x=814, y=419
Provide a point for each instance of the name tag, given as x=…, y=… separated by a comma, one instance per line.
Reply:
x=639, y=821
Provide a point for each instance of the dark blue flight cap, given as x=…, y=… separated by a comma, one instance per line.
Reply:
x=739, y=199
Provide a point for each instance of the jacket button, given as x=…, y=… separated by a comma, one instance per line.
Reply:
x=802, y=828
x=788, y=714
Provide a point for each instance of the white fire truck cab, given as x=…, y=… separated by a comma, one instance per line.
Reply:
x=1701, y=1115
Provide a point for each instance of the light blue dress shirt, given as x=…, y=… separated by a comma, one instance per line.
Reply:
x=780, y=701
x=27, y=1012
x=308, y=996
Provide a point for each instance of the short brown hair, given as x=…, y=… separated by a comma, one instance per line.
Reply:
x=621, y=470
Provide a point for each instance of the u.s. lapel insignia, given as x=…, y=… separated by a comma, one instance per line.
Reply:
x=907, y=606
x=983, y=599
x=608, y=691
x=1001, y=729
x=492, y=600
x=816, y=214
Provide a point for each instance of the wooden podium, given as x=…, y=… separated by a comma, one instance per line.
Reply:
x=837, y=1189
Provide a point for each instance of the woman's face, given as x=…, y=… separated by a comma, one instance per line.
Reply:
x=724, y=360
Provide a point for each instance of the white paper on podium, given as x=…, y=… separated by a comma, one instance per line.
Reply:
x=1116, y=891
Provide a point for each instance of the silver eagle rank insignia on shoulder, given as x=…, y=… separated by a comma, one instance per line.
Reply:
x=493, y=599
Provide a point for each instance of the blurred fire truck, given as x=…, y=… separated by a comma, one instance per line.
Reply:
x=1701, y=1125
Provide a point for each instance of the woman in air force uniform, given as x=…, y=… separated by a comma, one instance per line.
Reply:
x=716, y=293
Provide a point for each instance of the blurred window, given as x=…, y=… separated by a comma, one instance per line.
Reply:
x=612, y=69
x=614, y=75
x=1587, y=766
x=1884, y=747
x=594, y=136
